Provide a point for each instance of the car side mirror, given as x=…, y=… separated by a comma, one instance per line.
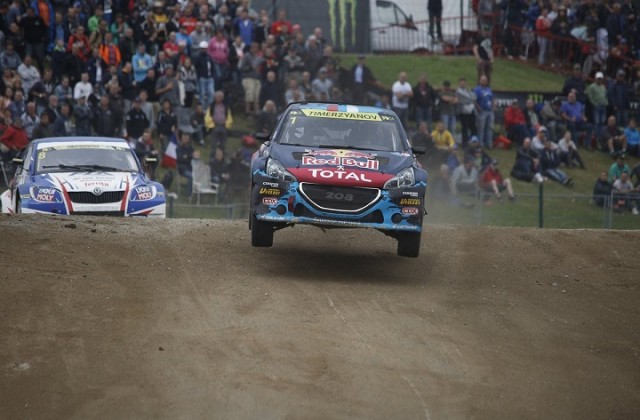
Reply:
x=262, y=137
x=419, y=150
x=17, y=161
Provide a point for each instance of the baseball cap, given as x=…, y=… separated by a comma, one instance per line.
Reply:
x=599, y=75
x=474, y=139
x=137, y=99
x=203, y=44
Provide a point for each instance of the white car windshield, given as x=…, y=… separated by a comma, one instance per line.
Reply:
x=351, y=130
x=85, y=157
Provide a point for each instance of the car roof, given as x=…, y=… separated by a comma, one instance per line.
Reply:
x=79, y=139
x=341, y=107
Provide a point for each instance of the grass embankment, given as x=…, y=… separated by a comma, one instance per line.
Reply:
x=564, y=208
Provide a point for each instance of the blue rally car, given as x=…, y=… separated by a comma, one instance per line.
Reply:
x=82, y=176
x=342, y=166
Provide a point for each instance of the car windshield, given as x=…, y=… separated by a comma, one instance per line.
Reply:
x=85, y=157
x=348, y=130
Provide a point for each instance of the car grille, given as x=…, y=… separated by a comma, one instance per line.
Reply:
x=98, y=213
x=90, y=198
x=339, y=199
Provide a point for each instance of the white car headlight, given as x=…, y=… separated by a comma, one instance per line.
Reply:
x=275, y=169
x=404, y=178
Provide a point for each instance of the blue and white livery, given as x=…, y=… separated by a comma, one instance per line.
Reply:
x=82, y=176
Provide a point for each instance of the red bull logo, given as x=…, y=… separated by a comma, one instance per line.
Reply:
x=340, y=153
x=341, y=161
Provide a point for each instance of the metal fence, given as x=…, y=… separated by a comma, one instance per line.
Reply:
x=559, y=211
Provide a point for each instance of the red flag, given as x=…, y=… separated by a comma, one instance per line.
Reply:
x=170, y=158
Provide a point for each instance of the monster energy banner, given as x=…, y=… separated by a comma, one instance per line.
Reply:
x=345, y=23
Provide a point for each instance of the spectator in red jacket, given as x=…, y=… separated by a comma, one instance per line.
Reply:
x=282, y=21
x=13, y=139
x=492, y=181
x=515, y=123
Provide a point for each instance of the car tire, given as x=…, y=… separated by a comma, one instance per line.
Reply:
x=261, y=233
x=409, y=244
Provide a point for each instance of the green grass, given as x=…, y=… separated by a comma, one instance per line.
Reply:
x=507, y=75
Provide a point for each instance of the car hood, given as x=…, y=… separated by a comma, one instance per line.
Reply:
x=359, y=168
x=95, y=182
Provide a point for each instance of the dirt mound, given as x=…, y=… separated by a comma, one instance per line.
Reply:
x=112, y=318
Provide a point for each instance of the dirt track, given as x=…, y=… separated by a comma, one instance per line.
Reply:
x=176, y=319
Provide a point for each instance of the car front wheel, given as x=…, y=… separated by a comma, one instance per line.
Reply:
x=261, y=232
x=409, y=244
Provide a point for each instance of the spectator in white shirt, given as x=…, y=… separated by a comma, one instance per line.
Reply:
x=29, y=74
x=402, y=92
x=322, y=84
x=83, y=88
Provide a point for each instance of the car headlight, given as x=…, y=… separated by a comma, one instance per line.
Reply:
x=46, y=194
x=404, y=178
x=275, y=169
x=143, y=193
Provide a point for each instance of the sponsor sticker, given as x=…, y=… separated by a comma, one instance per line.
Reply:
x=270, y=184
x=269, y=201
x=270, y=191
x=340, y=161
x=361, y=116
x=410, y=211
x=410, y=193
x=330, y=174
x=409, y=201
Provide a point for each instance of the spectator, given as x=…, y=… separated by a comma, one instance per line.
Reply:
x=551, y=118
x=466, y=111
x=43, y=129
x=104, y=120
x=442, y=138
x=321, y=85
x=205, y=72
x=424, y=99
x=185, y=154
x=575, y=83
x=618, y=167
x=219, y=119
x=14, y=138
x=632, y=136
x=515, y=123
x=267, y=118
x=63, y=91
x=543, y=32
x=63, y=126
x=161, y=64
x=363, y=78
x=83, y=88
x=83, y=117
x=109, y=51
x=485, y=105
x=597, y=96
x=480, y=158
x=483, y=51
x=550, y=165
x=527, y=165
x=448, y=102
x=167, y=122
x=270, y=91
x=9, y=58
x=136, y=121
x=624, y=194
x=612, y=138
x=569, y=154
x=18, y=106
x=219, y=166
x=244, y=27
x=145, y=148
x=537, y=142
x=618, y=96
x=532, y=118
x=141, y=63
x=198, y=36
x=293, y=92
x=277, y=26
x=602, y=190
x=572, y=113
x=434, y=7
x=189, y=78
x=167, y=87
x=28, y=73
x=422, y=139
x=402, y=93
x=514, y=13
x=126, y=45
x=149, y=86
x=218, y=50
x=250, y=65
x=52, y=109
x=30, y=119
x=96, y=70
x=493, y=181
x=441, y=184
x=197, y=122
x=293, y=65
x=82, y=43
x=464, y=180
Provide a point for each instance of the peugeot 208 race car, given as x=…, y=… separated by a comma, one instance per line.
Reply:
x=78, y=175
x=343, y=166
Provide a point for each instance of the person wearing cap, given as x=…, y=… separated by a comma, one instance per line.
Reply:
x=515, y=122
x=492, y=180
x=597, y=97
x=575, y=83
x=537, y=142
x=618, y=167
x=205, y=70
x=136, y=120
x=612, y=138
x=141, y=62
x=618, y=95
